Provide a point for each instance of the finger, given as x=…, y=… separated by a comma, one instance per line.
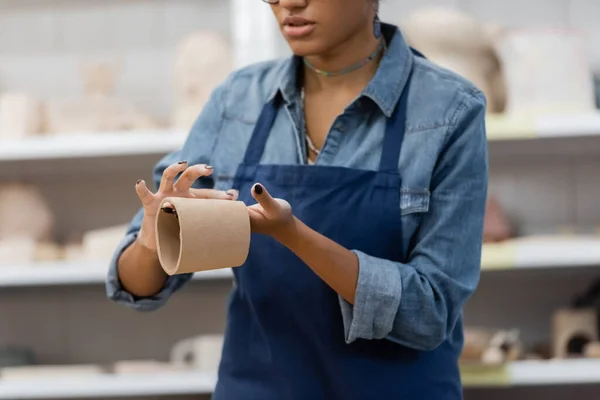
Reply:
x=268, y=203
x=168, y=208
x=234, y=194
x=211, y=194
x=145, y=195
x=191, y=175
x=169, y=174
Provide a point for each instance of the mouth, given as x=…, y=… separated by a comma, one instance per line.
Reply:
x=295, y=27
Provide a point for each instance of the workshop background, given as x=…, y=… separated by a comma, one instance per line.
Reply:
x=94, y=92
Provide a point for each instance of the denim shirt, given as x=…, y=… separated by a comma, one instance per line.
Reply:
x=444, y=170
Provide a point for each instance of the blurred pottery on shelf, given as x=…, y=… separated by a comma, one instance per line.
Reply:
x=458, y=42
x=20, y=115
x=491, y=347
x=133, y=367
x=201, y=353
x=24, y=213
x=496, y=227
x=98, y=110
x=49, y=371
x=203, y=60
x=532, y=60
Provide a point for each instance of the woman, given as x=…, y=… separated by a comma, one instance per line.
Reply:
x=360, y=264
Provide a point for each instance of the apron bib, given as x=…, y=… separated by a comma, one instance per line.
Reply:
x=285, y=336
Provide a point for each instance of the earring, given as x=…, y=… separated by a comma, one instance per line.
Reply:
x=377, y=26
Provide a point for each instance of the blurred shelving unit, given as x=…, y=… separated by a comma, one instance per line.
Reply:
x=73, y=273
x=87, y=145
x=535, y=253
x=109, y=386
x=517, y=374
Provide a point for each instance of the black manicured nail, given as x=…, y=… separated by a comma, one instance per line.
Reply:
x=258, y=189
x=138, y=181
x=182, y=162
x=169, y=210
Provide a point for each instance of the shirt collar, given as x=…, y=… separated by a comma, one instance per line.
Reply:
x=384, y=89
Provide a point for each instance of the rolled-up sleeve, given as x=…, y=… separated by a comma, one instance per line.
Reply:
x=198, y=148
x=417, y=304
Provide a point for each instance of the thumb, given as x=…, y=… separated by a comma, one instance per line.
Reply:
x=268, y=203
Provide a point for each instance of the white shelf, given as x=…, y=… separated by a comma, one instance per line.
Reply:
x=85, y=145
x=107, y=386
x=521, y=373
x=542, y=252
x=91, y=145
x=564, y=372
x=537, y=373
x=526, y=253
x=543, y=126
x=72, y=273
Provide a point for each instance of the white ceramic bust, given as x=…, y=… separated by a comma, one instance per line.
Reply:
x=458, y=42
x=24, y=213
x=203, y=61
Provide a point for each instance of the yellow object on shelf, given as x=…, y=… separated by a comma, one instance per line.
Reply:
x=499, y=255
x=479, y=375
x=500, y=127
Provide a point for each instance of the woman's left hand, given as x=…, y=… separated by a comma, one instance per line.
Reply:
x=270, y=216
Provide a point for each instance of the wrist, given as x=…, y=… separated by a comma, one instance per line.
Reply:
x=290, y=233
x=147, y=235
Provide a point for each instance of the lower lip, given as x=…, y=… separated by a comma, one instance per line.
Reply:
x=298, y=31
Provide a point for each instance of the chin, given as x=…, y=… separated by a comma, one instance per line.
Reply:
x=306, y=48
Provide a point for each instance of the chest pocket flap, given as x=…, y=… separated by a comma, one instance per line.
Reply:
x=414, y=200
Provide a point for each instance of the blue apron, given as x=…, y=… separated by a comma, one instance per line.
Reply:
x=285, y=336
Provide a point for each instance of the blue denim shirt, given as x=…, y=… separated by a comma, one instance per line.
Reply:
x=444, y=170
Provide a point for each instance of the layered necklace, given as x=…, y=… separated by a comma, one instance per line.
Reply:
x=381, y=47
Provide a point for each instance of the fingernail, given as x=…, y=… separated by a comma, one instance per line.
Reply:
x=258, y=189
x=231, y=192
x=209, y=167
x=138, y=181
x=169, y=210
x=182, y=162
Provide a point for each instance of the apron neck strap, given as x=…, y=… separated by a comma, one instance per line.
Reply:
x=394, y=132
x=259, y=137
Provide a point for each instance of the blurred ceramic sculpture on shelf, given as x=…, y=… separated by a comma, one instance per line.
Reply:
x=99, y=110
x=203, y=61
x=496, y=226
x=24, y=213
x=99, y=244
x=533, y=59
x=50, y=372
x=201, y=353
x=27, y=225
x=490, y=347
x=572, y=330
x=458, y=42
x=20, y=115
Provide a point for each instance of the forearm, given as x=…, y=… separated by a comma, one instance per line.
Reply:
x=139, y=270
x=333, y=263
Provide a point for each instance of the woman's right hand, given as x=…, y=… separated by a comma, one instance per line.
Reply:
x=169, y=188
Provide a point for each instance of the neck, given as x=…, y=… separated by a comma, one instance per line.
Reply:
x=351, y=52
